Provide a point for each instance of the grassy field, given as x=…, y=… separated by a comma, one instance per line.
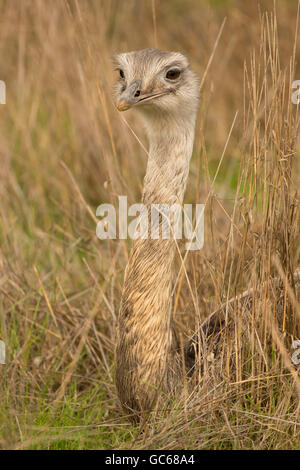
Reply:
x=64, y=149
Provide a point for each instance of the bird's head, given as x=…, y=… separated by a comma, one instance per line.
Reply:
x=153, y=80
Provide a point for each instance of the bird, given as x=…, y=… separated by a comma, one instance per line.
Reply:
x=162, y=88
x=151, y=365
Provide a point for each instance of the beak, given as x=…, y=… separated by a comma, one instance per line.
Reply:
x=130, y=96
x=133, y=95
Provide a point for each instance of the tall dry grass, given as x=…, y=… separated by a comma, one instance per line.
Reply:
x=64, y=150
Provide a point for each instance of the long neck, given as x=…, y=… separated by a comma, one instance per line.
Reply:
x=146, y=343
x=171, y=145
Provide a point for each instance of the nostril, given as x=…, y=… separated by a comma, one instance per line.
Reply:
x=137, y=93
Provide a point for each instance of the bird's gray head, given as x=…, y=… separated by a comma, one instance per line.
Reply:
x=152, y=80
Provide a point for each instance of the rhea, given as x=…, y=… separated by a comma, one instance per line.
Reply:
x=162, y=88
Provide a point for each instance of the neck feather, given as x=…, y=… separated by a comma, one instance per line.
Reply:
x=171, y=145
x=146, y=342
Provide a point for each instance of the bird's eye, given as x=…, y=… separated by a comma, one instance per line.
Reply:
x=121, y=73
x=173, y=74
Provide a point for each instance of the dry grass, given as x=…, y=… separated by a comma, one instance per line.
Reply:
x=64, y=150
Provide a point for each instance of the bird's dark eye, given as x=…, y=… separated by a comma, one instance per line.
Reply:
x=121, y=73
x=173, y=74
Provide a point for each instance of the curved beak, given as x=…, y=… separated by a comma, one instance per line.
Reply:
x=133, y=95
